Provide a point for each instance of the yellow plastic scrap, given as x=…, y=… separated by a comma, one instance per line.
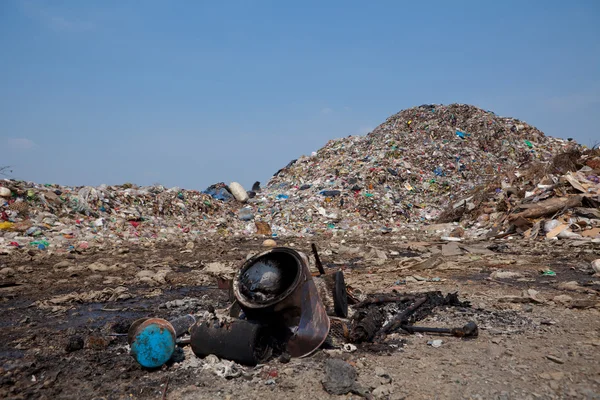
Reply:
x=5, y=226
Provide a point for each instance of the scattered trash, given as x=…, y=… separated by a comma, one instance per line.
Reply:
x=222, y=368
x=435, y=343
x=516, y=183
x=238, y=192
x=456, y=163
x=349, y=348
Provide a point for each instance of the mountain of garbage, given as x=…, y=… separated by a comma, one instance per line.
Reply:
x=425, y=165
x=417, y=162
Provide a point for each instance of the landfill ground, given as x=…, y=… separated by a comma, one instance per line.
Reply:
x=539, y=334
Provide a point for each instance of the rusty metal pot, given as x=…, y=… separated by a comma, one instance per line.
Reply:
x=293, y=298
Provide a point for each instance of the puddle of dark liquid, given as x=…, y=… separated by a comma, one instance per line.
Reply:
x=97, y=315
x=8, y=358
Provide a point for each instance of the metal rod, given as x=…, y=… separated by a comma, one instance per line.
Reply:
x=400, y=319
x=469, y=330
x=317, y=259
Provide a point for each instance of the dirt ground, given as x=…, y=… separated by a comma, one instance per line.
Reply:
x=539, y=334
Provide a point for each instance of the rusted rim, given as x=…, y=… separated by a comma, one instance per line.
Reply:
x=237, y=281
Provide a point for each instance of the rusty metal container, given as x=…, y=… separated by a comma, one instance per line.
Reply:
x=152, y=340
x=241, y=341
x=277, y=285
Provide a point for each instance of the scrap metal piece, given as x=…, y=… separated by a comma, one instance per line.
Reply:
x=287, y=294
x=241, y=341
x=332, y=289
x=401, y=318
x=318, y=263
x=469, y=330
x=182, y=324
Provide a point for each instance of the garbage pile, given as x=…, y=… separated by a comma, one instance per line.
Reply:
x=283, y=310
x=556, y=199
x=408, y=169
x=68, y=218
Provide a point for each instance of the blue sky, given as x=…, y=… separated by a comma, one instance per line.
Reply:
x=188, y=93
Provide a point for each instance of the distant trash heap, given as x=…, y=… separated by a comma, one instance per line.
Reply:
x=431, y=164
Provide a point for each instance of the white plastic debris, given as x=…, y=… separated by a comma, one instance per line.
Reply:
x=238, y=192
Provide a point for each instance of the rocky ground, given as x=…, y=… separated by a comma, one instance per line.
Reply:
x=539, y=333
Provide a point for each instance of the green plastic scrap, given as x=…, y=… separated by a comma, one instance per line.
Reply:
x=548, y=273
x=528, y=143
x=38, y=242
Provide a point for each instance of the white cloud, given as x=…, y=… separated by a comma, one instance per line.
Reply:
x=21, y=144
x=53, y=20
x=326, y=110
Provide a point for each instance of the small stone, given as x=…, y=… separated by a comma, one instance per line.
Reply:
x=557, y=376
x=563, y=299
x=62, y=264
x=380, y=371
x=505, y=275
x=340, y=377
x=382, y=391
x=555, y=359
x=285, y=358
x=596, y=266
x=6, y=272
x=269, y=243
x=97, y=342
x=75, y=343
